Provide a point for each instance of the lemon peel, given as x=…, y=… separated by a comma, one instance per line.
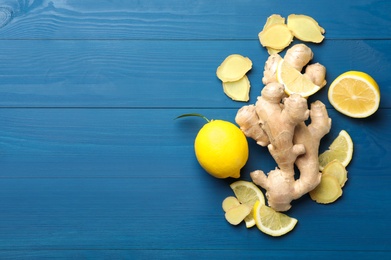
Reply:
x=221, y=149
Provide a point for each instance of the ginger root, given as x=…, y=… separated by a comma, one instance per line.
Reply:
x=278, y=122
x=298, y=56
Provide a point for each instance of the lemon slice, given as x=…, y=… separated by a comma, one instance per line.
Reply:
x=272, y=222
x=294, y=81
x=248, y=193
x=355, y=94
x=341, y=149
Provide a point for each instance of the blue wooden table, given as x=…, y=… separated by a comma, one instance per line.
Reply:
x=92, y=164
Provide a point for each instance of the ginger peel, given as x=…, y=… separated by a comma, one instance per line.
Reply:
x=281, y=120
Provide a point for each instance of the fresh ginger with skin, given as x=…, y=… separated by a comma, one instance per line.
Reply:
x=289, y=140
x=298, y=56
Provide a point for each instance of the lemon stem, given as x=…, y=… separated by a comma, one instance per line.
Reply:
x=193, y=114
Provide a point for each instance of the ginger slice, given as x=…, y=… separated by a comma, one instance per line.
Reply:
x=328, y=190
x=336, y=169
x=229, y=203
x=274, y=19
x=276, y=36
x=233, y=68
x=238, y=90
x=271, y=20
x=305, y=28
x=237, y=214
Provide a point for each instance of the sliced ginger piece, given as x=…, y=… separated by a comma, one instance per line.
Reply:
x=238, y=90
x=237, y=214
x=271, y=20
x=305, y=28
x=274, y=19
x=229, y=203
x=336, y=169
x=328, y=190
x=276, y=36
x=233, y=68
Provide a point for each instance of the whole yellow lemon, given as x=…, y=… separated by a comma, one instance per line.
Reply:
x=221, y=149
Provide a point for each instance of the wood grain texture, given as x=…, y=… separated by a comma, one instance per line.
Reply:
x=156, y=73
x=173, y=19
x=94, y=166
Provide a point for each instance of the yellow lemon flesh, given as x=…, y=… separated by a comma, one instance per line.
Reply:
x=294, y=81
x=355, y=94
x=221, y=149
x=248, y=193
x=272, y=222
x=341, y=149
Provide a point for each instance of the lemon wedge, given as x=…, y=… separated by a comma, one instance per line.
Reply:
x=294, y=81
x=341, y=149
x=272, y=222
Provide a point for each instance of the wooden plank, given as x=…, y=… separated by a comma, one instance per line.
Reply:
x=171, y=19
x=144, y=143
x=178, y=214
x=186, y=254
x=163, y=212
x=155, y=74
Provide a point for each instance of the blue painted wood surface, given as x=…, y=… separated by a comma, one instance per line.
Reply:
x=92, y=164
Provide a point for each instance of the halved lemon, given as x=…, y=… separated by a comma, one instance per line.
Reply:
x=355, y=94
x=341, y=149
x=272, y=222
x=248, y=193
x=294, y=81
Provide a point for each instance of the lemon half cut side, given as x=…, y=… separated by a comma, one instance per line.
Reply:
x=355, y=94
